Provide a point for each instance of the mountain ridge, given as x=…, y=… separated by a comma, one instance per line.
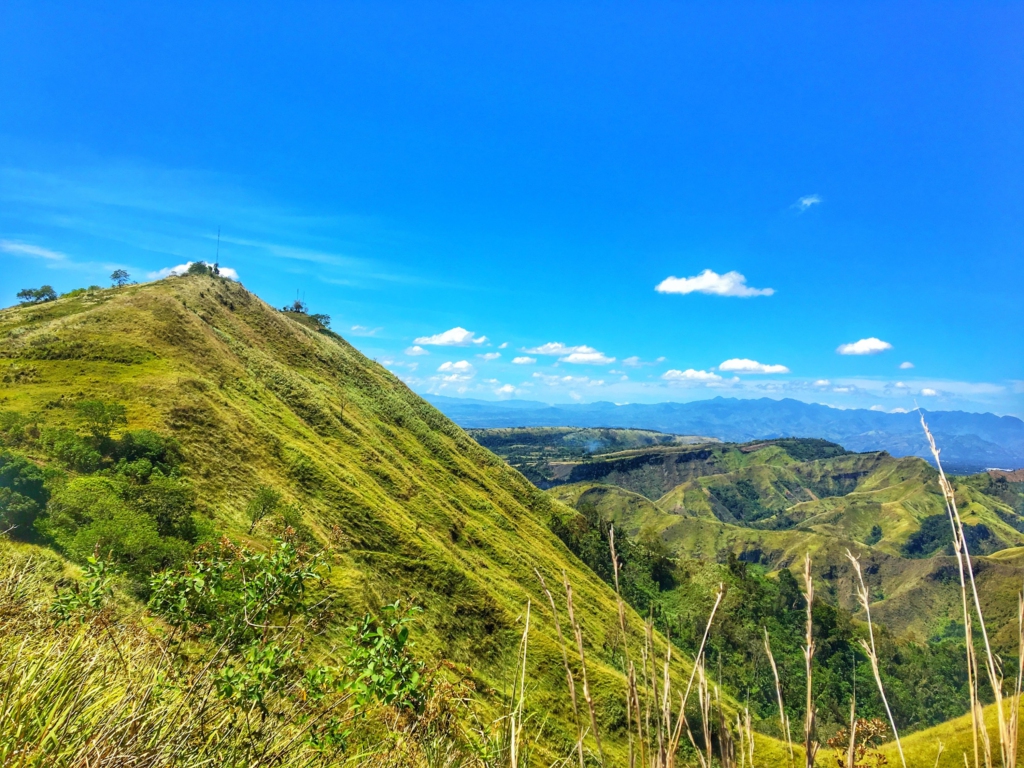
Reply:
x=971, y=441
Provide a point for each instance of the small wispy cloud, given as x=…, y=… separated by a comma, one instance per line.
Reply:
x=488, y=356
x=454, y=337
x=868, y=346
x=461, y=366
x=905, y=365
x=362, y=330
x=505, y=390
x=524, y=360
x=27, y=249
x=928, y=392
x=415, y=350
x=636, y=362
x=713, y=284
x=690, y=375
x=579, y=355
x=807, y=201
x=745, y=365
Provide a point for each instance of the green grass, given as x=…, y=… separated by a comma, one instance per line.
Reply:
x=409, y=506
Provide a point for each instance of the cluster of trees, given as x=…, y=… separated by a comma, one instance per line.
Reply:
x=36, y=295
x=299, y=307
x=29, y=296
x=120, y=495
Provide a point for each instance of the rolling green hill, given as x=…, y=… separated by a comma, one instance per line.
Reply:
x=888, y=511
x=408, y=506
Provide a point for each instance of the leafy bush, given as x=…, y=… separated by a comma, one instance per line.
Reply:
x=23, y=495
x=101, y=417
x=141, y=532
x=379, y=658
x=71, y=449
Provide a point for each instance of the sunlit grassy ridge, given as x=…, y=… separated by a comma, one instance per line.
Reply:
x=410, y=507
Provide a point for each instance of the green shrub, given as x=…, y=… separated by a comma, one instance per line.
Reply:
x=71, y=449
x=100, y=417
x=17, y=428
x=106, y=516
x=23, y=495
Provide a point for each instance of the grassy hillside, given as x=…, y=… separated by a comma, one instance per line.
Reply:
x=408, y=506
x=888, y=511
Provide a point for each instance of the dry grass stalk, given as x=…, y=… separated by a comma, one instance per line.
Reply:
x=810, y=745
x=1015, y=706
x=568, y=670
x=1008, y=749
x=517, y=711
x=869, y=648
x=578, y=632
x=698, y=668
x=783, y=718
x=852, y=749
x=627, y=662
x=704, y=707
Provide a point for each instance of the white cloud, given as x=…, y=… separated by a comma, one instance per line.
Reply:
x=822, y=383
x=556, y=348
x=581, y=354
x=554, y=381
x=906, y=365
x=729, y=284
x=503, y=345
x=868, y=346
x=876, y=408
x=843, y=389
x=745, y=365
x=182, y=269
x=462, y=366
x=505, y=389
x=901, y=385
x=690, y=375
x=926, y=392
x=362, y=330
x=806, y=202
x=454, y=337
x=416, y=350
x=590, y=357
x=524, y=360
x=490, y=356
x=899, y=410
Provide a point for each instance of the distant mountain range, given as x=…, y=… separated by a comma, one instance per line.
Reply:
x=970, y=442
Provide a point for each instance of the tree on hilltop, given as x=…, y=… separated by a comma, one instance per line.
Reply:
x=37, y=295
x=119, y=277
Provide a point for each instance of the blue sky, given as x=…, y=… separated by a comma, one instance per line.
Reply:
x=516, y=180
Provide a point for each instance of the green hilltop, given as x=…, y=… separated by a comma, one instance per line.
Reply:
x=407, y=505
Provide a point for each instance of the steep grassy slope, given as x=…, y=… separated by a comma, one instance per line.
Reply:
x=410, y=507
